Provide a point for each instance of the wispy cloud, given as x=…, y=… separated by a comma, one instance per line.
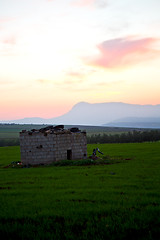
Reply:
x=5, y=20
x=120, y=52
x=75, y=74
x=109, y=83
x=5, y=82
x=43, y=81
x=79, y=73
x=89, y=3
x=7, y=45
x=9, y=40
x=74, y=86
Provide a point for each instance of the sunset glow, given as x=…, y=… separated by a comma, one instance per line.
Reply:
x=56, y=53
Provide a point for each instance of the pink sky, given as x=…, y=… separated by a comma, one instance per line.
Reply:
x=54, y=54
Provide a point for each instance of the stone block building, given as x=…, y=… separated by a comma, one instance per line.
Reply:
x=51, y=144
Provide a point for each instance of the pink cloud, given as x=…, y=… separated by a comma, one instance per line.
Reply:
x=83, y=3
x=116, y=53
x=8, y=46
x=10, y=40
x=5, y=20
x=89, y=3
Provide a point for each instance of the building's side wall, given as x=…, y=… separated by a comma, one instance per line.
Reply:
x=37, y=148
x=40, y=148
x=76, y=142
x=79, y=146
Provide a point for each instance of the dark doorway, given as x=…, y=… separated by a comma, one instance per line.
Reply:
x=69, y=154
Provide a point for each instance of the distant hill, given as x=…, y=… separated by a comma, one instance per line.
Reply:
x=109, y=114
x=134, y=122
x=34, y=120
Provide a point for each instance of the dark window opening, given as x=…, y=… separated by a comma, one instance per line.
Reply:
x=69, y=154
x=40, y=146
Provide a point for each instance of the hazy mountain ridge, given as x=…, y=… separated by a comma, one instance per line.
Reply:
x=102, y=114
x=135, y=122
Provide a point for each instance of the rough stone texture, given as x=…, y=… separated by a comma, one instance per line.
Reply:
x=41, y=148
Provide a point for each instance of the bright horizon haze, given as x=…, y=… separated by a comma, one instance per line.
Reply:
x=56, y=53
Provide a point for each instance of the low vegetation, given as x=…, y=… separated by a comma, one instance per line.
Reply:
x=118, y=199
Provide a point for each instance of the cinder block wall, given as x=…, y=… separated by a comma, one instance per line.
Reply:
x=40, y=148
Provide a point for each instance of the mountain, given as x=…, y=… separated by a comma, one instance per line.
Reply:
x=100, y=113
x=85, y=113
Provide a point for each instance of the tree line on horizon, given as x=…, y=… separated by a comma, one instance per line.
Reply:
x=127, y=137
x=9, y=142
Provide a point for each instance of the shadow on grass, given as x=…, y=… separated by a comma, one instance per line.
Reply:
x=102, y=226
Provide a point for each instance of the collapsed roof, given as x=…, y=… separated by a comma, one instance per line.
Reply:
x=59, y=129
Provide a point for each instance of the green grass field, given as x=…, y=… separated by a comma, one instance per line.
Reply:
x=115, y=201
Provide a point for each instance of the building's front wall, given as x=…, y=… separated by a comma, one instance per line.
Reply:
x=40, y=148
x=36, y=148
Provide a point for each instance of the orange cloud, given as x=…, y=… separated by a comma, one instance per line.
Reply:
x=43, y=81
x=120, y=52
x=4, y=82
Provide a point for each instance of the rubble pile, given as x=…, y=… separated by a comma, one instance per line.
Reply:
x=59, y=129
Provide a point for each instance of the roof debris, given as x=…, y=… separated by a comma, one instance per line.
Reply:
x=59, y=129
